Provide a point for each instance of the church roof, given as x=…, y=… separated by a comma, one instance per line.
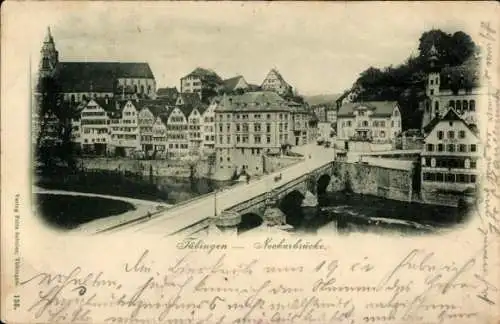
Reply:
x=380, y=108
x=98, y=76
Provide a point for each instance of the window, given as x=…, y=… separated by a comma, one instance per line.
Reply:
x=473, y=147
x=451, y=134
x=432, y=81
x=268, y=128
x=268, y=139
x=450, y=177
x=450, y=147
x=382, y=134
x=472, y=178
x=436, y=106
x=375, y=124
x=361, y=113
x=257, y=139
x=465, y=105
x=228, y=139
x=392, y=123
x=348, y=123
x=268, y=116
x=237, y=138
x=439, y=177
x=430, y=147
x=432, y=92
x=440, y=147
x=473, y=164
x=451, y=104
x=365, y=123
x=382, y=124
x=472, y=105
x=237, y=127
x=461, y=134
x=220, y=139
x=462, y=148
x=440, y=134
x=459, y=105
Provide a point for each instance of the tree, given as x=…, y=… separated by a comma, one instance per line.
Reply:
x=54, y=117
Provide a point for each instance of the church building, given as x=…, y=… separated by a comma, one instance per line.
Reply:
x=82, y=81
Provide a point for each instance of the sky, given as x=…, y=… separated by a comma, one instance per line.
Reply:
x=319, y=48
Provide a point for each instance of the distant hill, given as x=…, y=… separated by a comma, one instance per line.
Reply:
x=321, y=99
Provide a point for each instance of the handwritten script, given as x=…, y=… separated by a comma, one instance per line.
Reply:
x=207, y=285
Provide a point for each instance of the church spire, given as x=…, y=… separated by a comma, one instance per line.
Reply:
x=48, y=36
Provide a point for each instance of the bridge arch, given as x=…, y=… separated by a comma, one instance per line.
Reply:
x=290, y=204
x=322, y=183
x=249, y=221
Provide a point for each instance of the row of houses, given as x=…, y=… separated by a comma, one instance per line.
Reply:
x=237, y=127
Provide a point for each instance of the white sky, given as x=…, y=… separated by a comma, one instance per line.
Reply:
x=317, y=47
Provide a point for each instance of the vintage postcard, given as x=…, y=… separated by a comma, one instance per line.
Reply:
x=250, y=162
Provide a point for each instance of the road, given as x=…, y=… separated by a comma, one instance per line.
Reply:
x=180, y=217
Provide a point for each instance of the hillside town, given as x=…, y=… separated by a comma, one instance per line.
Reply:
x=103, y=114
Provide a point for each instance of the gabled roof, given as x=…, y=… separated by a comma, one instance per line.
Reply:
x=231, y=83
x=254, y=101
x=278, y=76
x=380, y=108
x=204, y=74
x=190, y=102
x=98, y=76
x=450, y=115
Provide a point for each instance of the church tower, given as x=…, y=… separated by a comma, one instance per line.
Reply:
x=433, y=82
x=49, y=56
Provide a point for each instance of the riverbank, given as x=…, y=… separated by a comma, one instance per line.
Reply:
x=169, y=190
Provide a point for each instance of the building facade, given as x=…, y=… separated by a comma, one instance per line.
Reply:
x=377, y=122
x=455, y=87
x=249, y=126
x=451, y=155
x=205, y=83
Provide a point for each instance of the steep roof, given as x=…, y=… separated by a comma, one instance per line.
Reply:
x=450, y=115
x=204, y=74
x=191, y=101
x=98, y=76
x=380, y=108
x=231, y=83
x=254, y=101
x=278, y=76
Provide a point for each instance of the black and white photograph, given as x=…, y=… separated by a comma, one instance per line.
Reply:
x=199, y=126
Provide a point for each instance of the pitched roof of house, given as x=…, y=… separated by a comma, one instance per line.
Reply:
x=278, y=75
x=450, y=115
x=98, y=76
x=204, y=74
x=191, y=101
x=464, y=76
x=167, y=92
x=254, y=101
x=231, y=83
x=380, y=108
